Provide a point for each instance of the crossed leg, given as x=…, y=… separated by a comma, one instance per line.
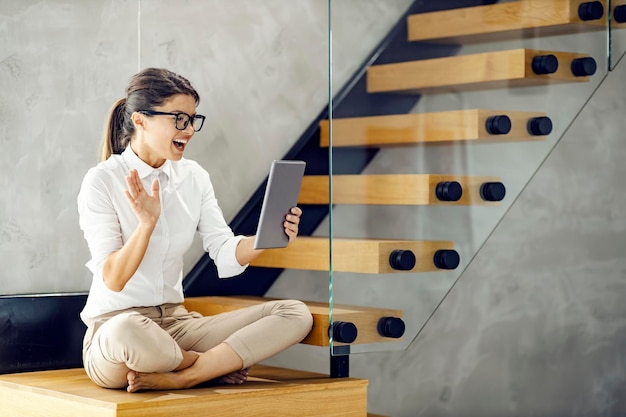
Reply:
x=136, y=353
x=243, y=337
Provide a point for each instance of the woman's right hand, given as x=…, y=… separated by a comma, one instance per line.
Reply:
x=146, y=207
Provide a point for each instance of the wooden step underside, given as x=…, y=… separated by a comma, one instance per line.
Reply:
x=391, y=189
x=364, y=318
x=269, y=392
x=368, y=256
x=408, y=129
x=499, y=69
x=503, y=21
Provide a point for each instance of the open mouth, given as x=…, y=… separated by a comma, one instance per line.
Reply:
x=180, y=144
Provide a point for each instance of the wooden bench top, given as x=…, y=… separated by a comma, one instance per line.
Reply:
x=270, y=391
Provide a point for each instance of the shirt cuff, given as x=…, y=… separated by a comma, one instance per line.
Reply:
x=226, y=262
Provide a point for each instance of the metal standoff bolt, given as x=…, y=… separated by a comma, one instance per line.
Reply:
x=449, y=191
x=446, y=259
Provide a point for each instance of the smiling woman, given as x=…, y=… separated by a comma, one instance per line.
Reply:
x=139, y=210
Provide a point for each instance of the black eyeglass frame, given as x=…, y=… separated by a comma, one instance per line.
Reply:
x=176, y=115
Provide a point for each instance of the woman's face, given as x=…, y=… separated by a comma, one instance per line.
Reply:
x=157, y=138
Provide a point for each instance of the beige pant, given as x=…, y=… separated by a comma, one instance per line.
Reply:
x=150, y=339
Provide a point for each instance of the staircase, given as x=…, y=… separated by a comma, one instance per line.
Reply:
x=506, y=70
x=528, y=127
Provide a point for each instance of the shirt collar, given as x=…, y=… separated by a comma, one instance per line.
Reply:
x=144, y=170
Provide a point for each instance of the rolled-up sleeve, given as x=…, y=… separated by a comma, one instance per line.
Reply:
x=98, y=220
x=217, y=237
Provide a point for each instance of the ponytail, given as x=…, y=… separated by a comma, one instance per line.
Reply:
x=117, y=131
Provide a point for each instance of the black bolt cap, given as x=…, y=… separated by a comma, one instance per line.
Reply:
x=449, y=191
x=591, y=10
x=446, y=259
x=539, y=126
x=492, y=191
x=619, y=14
x=582, y=67
x=391, y=327
x=545, y=64
x=498, y=125
x=344, y=331
x=402, y=260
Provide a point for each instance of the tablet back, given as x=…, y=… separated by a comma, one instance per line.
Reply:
x=281, y=194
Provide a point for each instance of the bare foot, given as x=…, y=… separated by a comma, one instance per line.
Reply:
x=237, y=377
x=216, y=362
x=138, y=381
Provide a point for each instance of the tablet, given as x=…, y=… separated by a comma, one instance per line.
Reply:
x=281, y=194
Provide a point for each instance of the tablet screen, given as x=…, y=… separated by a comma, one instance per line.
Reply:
x=281, y=194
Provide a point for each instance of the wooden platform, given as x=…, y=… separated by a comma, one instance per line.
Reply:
x=391, y=189
x=364, y=318
x=498, y=69
x=410, y=129
x=269, y=392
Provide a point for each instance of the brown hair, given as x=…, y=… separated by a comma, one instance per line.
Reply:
x=147, y=89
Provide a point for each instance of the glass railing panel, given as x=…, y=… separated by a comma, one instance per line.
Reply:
x=488, y=109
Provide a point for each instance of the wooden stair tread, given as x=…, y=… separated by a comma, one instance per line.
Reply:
x=369, y=256
x=405, y=129
x=270, y=391
x=365, y=318
x=390, y=189
x=503, y=21
x=496, y=69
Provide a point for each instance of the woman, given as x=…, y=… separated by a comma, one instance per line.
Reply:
x=139, y=210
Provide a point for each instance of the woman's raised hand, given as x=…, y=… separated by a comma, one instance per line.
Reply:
x=146, y=207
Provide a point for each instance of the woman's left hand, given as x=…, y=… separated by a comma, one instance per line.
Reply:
x=291, y=223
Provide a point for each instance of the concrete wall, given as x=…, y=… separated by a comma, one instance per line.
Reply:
x=260, y=67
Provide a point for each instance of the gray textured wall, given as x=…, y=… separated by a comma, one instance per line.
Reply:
x=260, y=67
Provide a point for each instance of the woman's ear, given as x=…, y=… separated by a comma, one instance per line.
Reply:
x=137, y=119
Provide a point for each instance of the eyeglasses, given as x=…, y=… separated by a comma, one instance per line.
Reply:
x=182, y=119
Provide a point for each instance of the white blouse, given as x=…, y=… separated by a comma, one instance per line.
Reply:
x=188, y=204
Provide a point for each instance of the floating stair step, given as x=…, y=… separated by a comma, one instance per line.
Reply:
x=506, y=21
x=268, y=392
x=498, y=69
x=368, y=256
x=402, y=189
x=363, y=320
x=449, y=126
